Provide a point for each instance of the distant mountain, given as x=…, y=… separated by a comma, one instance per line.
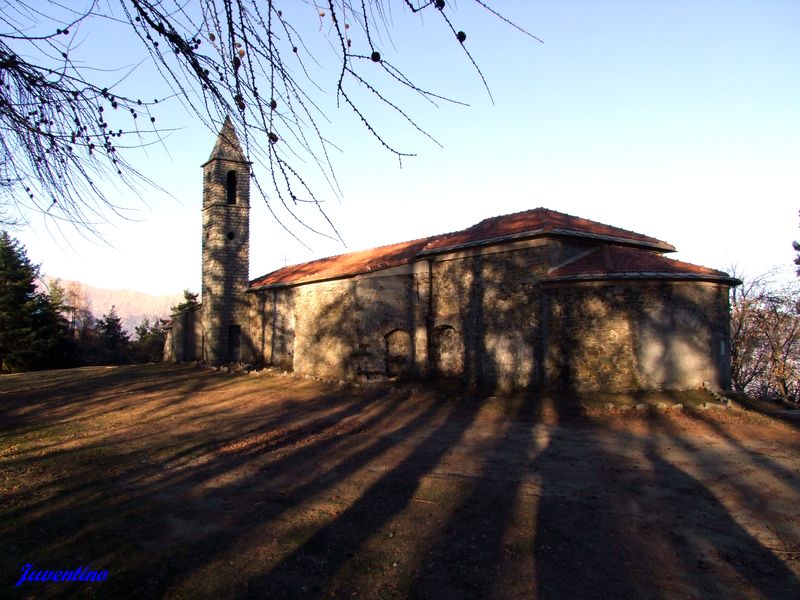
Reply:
x=131, y=306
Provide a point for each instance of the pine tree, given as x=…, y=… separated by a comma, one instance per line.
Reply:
x=33, y=333
x=189, y=301
x=17, y=304
x=149, y=344
x=113, y=342
x=53, y=344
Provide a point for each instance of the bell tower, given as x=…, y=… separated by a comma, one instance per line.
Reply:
x=226, y=247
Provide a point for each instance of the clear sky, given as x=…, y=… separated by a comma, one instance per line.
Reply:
x=679, y=120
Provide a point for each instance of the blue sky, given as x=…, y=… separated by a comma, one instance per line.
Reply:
x=679, y=120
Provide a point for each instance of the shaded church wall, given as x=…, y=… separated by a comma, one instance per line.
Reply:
x=636, y=335
x=484, y=316
x=486, y=310
x=185, y=340
x=225, y=259
x=481, y=309
x=589, y=340
x=683, y=337
x=178, y=337
x=169, y=346
x=390, y=323
x=361, y=328
x=270, y=329
x=324, y=329
x=196, y=338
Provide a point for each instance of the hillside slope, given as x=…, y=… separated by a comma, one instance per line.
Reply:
x=132, y=306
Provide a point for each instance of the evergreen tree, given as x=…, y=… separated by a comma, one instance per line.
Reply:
x=17, y=303
x=33, y=333
x=113, y=343
x=57, y=293
x=149, y=344
x=189, y=301
x=53, y=345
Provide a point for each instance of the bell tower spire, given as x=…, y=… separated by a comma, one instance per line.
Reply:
x=226, y=246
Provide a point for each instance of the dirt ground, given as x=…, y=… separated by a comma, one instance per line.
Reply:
x=186, y=483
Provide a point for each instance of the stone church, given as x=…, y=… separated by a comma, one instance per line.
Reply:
x=532, y=300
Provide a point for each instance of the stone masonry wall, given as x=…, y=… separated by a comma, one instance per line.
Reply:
x=486, y=318
x=270, y=327
x=185, y=340
x=354, y=329
x=480, y=325
x=226, y=254
x=348, y=329
x=636, y=335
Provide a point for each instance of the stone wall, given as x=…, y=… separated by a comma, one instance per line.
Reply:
x=355, y=329
x=226, y=255
x=487, y=318
x=185, y=340
x=636, y=335
x=271, y=325
x=169, y=347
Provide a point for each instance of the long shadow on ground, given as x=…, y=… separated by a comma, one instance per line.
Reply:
x=185, y=484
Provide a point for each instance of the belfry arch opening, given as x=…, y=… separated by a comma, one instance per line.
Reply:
x=230, y=187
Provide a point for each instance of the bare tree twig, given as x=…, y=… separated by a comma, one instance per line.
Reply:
x=67, y=123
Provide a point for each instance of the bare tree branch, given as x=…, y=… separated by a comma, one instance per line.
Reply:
x=68, y=122
x=765, y=338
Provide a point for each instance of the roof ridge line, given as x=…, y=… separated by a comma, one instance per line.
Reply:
x=565, y=214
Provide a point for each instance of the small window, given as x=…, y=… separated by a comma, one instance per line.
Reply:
x=230, y=187
x=231, y=235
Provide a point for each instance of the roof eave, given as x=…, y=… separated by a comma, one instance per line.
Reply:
x=230, y=160
x=645, y=275
x=312, y=279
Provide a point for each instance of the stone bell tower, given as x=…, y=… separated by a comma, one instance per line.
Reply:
x=226, y=247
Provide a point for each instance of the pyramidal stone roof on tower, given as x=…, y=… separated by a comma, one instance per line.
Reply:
x=227, y=146
x=622, y=253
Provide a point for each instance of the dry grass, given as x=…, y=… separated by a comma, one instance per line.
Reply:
x=185, y=483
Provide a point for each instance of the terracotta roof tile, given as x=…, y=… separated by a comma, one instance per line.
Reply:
x=609, y=261
x=537, y=222
x=364, y=261
x=532, y=223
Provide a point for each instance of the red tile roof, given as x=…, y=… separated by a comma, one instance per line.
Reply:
x=533, y=223
x=609, y=261
x=354, y=263
x=540, y=221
